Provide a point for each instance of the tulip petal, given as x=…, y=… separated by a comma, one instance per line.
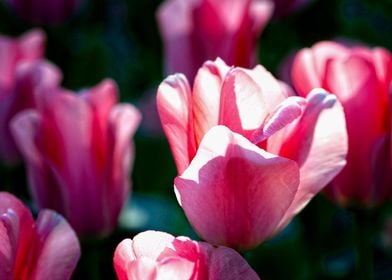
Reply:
x=381, y=163
x=174, y=103
x=288, y=111
x=318, y=142
x=304, y=74
x=239, y=96
x=383, y=65
x=177, y=38
x=27, y=48
x=142, y=269
x=273, y=90
x=8, y=244
x=260, y=13
x=151, y=243
x=124, y=119
x=228, y=166
x=354, y=81
x=175, y=268
x=226, y=263
x=206, y=96
x=19, y=223
x=59, y=247
x=101, y=99
x=123, y=256
x=309, y=66
x=25, y=128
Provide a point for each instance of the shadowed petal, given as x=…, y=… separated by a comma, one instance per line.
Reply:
x=59, y=247
x=174, y=103
x=318, y=142
x=226, y=263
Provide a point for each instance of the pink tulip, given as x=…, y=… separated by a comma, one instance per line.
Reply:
x=27, y=48
x=241, y=182
x=33, y=250
x=50, y=12
x=22, y=72
x=30, y=82
x=196, y=30
x=158, y=255
x=361, y=79
x=78, y=153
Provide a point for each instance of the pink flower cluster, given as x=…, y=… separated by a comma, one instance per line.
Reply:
x=78, y=152
x=250, y=150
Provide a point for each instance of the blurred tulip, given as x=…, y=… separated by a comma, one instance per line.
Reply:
x=19, y=81
x=45, y=249
x=49, y=12
x=27, y=48
x=361, y=79
x=30, y=82
x=286, y=7
x=78, y=153
x=158, y=255
x=194, y=31
x=241, y=184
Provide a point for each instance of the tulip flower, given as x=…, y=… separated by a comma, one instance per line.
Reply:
x=194, y=31
x=286, y=7
x=47, y=248
x=19, y=81
x=30, y=81
x=361, y=79
x=78, y=153
x=159, y=255
x=248, y=155
x=27, y=48
x=49, y=12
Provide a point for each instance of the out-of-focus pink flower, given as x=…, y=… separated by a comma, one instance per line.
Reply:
x=286, y=7
x=30, y=82
x=194, y=31
x=45, y=11
x=79, y=155
x=22, y=73
x=240, y=184
x=361, y=79
x=44, y=249
x=158, y=255
x=27, y=48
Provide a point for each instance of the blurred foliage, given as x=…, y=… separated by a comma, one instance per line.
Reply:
x=120, y=39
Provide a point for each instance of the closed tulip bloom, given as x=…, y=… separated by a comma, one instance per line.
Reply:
x=361, y=79
x=249, y=156
x=47, y=248
x=18, y=83
x=49, y=12
x=27, y=48
x=158, y=255
x=30, y=81
x=194, y=31
x=79, y=155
